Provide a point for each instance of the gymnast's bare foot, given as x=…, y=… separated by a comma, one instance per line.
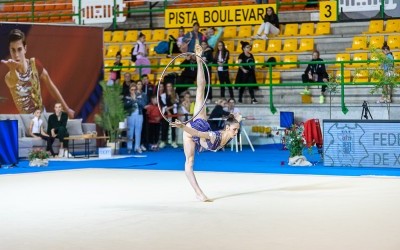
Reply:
x=203, y=198
x=198, y=50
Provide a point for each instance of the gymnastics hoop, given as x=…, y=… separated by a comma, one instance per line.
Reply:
x=162, y=75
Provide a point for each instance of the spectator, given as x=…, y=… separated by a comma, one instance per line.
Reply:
x=215, y=119
x=115, y=74
x=134, y=104
x=269, y=26
x=231, y=107
x=387, y=67
x=316, y=73
x=188, y=74
x=144, y=132
x=212, y=37
x=140, y=51
x=208, y=59
x=27, y=77
x=222, y=57
x=193, y=37
x=175, y=43
x=185, y=106
x=57, y=128
x=36, y=130
x=153, y=122
x=170, y=111
x=246, y=73
x=126, y=84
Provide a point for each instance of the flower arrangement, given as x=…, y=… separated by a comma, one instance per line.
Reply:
x=38, y=154
x=294, y=141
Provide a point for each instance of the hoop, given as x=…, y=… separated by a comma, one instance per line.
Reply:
x=162, y=75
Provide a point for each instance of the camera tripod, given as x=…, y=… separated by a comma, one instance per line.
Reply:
x=365, y=111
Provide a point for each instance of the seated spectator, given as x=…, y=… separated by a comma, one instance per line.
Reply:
x=269, y=26
x=175, y=43
x=57, y=128
x=36, y=130
x=215, y=119
x=316, y=73
x=185, y=107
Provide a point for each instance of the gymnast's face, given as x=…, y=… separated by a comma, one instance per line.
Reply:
x=232, y=129
x=17, y=51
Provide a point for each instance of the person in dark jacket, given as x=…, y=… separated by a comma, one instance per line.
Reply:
x=316, y=73
x=221, y=58
x=269, y=26
x=215, y=118
x=57, y=128
x=207, y=56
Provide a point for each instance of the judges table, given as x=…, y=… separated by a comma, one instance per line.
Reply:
x=8, y=142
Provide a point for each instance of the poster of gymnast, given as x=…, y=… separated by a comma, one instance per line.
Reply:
x=44, y=64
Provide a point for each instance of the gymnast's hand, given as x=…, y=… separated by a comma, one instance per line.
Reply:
x=12, y=64
x=177, y=124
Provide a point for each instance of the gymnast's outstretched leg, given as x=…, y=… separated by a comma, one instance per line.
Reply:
x=189, y=145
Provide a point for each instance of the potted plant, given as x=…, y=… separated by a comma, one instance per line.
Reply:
x=38, y=158
x=295, y=143
x=112, y=110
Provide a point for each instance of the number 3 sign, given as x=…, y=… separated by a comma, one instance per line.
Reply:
x=328, y=11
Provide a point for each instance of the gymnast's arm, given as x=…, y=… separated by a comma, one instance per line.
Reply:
x=191, y=131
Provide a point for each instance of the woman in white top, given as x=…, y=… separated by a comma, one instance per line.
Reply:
x=140, y=51
x=36, y=130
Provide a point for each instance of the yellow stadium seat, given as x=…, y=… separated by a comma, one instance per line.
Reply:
x=260, y=76
x=374, y=64
x=158, y=35
x=360, y=76
x=126, y=50
x=147, y=33
x=108, y=63
x=230, y=45
x=276, y=77
x=360, y=57
x=393, y=41
x=291, y=29
x=359, y=43
x=152, y=52
x=112, y=50
x=234, y=61
x=230, y=32
x=259, y=59
x=290, y=45
x=107, y=36
x=342, y=57
x=396, y=56
x=163, y=64
x=307, y=29
x=274, y=45
x=118, y=36
x=259, y=46
x=126, y=63
x=173, y=32
x=244, y=31
x=392, y=26
x=131, y=36
x=346, y=75
x=376, y=42
x=323, y=28
x=375, y=26
x=287, y=59
x=306, y=44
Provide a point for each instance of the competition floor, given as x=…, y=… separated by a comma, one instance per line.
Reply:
x=156, y=209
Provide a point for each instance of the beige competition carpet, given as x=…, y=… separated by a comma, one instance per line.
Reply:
x=131, y=209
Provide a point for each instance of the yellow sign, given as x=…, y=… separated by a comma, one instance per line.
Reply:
x=217, y=16
x=328, y=11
